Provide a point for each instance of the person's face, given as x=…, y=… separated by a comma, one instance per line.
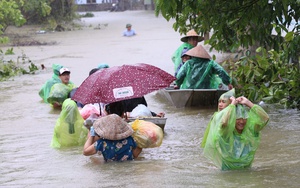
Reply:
x=65, y=78
x=185, y=58
x=223, y=103
x=129, y=28
x=193, y=41
x=240, y=124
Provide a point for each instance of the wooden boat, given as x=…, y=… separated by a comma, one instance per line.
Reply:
x=203, y=98
x=159, y=121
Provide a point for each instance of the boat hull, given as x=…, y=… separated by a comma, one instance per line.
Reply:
x=203, y=98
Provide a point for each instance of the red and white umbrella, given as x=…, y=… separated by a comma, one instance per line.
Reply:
x=122, y=82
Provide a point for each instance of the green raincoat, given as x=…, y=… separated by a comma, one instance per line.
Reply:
x=199, y=73
x=69, y=129
x=226, y=147
x=176, y=58
x=45, y=90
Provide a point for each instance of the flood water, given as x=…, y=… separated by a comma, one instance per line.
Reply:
x=27, y=124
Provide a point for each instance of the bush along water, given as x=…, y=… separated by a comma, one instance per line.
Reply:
x=10, y=68
x=267, y=77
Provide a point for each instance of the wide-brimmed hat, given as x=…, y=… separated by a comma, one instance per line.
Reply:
x=198, y=51
x=191, y=33
x=112, y=127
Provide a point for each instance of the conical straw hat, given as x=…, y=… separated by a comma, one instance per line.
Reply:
x=198, y=51
x=112, y=127
x=191, y=33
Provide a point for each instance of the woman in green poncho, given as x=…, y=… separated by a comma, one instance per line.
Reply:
x=201, y=72
x=189, y=41
x=223, y=102
x=234, y=135
x=69, y=129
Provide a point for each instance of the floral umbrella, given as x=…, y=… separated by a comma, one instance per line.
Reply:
x=122, y=82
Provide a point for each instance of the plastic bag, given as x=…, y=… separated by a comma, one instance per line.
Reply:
x=58, y=93
x=147, y=134
x=69, y=129
x=140, y=111
x=88, y=110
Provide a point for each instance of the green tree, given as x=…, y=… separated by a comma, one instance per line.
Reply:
x=51, y=12
x=17, y=12
x=36, y=11
x=236, y=23
x=10, y=14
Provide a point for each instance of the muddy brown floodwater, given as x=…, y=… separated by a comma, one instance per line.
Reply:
x=27, y=124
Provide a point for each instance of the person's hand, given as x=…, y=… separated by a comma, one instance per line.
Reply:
x=56, y=104
x=233, y=100
x=92, y=131
x=161, y=114
x=243, y=100
x=88, y=123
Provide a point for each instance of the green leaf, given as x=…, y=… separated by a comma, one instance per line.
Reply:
x=289, y=36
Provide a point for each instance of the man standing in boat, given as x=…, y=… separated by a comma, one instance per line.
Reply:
x=190, y=41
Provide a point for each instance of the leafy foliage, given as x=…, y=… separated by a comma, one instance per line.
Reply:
x=36, y=11
x=51, y=12
x=10, y=14
x=87, y=15
x=11, y=68
x=266, y=76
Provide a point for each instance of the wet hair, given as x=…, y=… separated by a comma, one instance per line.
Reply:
x=130, y=104
x=115, y=108
x=93, y=71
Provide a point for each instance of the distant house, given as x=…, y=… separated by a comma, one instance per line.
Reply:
x=94, y=5
x=83, y=2
x=103, y=5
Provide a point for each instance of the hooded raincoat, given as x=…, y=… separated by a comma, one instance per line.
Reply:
x=226, y=147
x=45, y=90
x=69, y=129
x=199, y=73
x=226, y=97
